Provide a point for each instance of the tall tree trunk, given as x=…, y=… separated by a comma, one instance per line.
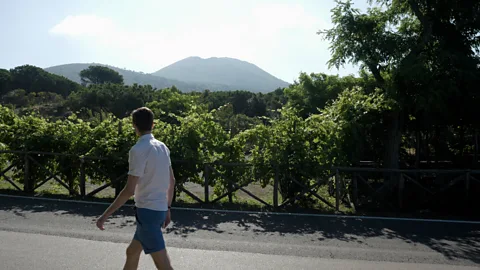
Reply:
x=392, y=151
x=437, y=145
x=392, y=148
x=428, y=137
x=476, y=149
x=418, y=144
x=462, y=145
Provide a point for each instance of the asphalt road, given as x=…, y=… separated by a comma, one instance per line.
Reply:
x=37, y=251
x=36, y=234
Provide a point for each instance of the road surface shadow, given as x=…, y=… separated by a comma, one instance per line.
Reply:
x=453, y=240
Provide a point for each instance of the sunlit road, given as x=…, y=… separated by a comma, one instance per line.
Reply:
x=38, y=234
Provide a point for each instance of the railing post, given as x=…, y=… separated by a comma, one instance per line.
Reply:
x=118, y=187
x=229, y=183
x=275, y=187
x=355, y=190
x=401, y=186
x=26, y=175
x=337, y=190
x=205, y=175
x=467, y=186
x=82, y=177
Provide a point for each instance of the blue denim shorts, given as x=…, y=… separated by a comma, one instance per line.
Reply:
x=149, y=229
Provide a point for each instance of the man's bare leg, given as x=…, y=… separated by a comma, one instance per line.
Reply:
x=134, y=250
x=161, y=260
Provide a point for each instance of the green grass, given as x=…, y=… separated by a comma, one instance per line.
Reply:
x=241, y=200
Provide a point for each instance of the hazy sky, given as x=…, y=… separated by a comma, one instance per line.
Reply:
x=146, y=35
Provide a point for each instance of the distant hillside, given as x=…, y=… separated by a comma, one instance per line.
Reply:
x=237, y=74
x=71, y=71
x=191, y=74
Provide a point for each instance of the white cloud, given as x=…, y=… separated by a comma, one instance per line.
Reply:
x=80, y=26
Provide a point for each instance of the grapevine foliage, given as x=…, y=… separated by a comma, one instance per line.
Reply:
x=298, y=147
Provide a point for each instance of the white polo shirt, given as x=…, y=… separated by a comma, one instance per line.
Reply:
x=149, y=159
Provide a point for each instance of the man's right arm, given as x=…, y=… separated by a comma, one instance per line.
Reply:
x=171, y=187
x=171, y=190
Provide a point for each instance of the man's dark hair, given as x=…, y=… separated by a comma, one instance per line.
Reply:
x=143, y=119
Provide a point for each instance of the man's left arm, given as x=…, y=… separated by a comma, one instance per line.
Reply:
x=127, y=192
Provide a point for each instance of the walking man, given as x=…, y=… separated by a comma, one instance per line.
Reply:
x=151, y=180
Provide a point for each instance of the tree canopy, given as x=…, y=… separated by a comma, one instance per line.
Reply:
x=421, y=53
x=35, y=79
x=100, y=75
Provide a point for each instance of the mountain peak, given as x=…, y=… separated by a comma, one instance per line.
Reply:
x=237, y=74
